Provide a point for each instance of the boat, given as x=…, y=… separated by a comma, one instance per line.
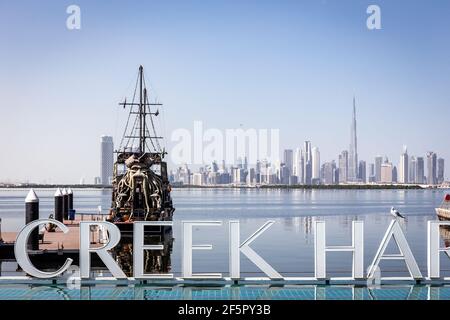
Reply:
x=140, y=184
x=443, y=212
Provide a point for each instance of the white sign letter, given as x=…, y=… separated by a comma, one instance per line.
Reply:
x=434, y=248
x=395, y=231
x=139, y=247
x=188, y=247
x=20, y=250
x=85, y=249
x=236, y=248
x=357, y=248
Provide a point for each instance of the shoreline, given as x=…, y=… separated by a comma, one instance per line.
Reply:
x=275, y=186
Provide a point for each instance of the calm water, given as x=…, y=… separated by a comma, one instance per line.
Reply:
x=288, y=244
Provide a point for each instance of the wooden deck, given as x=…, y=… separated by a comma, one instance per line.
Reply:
x=58, y=240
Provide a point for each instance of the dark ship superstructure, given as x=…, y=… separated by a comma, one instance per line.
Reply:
x=141, y=189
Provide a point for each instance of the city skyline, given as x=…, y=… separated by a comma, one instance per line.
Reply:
x=293, y=67
x=303, y=167
x=299, y=166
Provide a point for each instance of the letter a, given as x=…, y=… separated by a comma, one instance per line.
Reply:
x=394, y=231
x=74, y=20
x=374, y=20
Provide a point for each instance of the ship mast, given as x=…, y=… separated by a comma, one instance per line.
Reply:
x=141, y=113
x=141, y=124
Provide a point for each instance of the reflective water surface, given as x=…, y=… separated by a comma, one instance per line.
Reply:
x=287, y=245
x=102, y=292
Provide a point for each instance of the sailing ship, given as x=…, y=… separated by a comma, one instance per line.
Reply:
x=140, y=184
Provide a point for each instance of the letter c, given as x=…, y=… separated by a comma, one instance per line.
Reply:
x=20, y=250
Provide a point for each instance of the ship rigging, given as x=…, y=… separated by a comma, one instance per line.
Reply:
x=141, y=189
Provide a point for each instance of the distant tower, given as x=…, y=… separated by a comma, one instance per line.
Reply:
x=315, y=164
x=289, y=160
x=378, y=163
x=307, y=163
x=343, y=167
x=106, y=159
x=440, y=170
x=420, y=170
x=353, y=152
x=298, y=166
x=432, y=168
x=412, y=169
x=362, y=171
x=403, y=166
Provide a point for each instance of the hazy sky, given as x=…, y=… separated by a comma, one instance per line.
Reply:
x=292, y=65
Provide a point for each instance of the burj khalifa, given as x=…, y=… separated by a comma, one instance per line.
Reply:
x=353, y=154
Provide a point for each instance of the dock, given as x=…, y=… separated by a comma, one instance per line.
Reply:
x=57, y=240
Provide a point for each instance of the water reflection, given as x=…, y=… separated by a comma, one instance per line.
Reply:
x=299, y=292
x=155, y=261
x=444, y=232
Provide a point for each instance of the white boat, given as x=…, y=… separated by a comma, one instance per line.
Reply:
x=443, y=211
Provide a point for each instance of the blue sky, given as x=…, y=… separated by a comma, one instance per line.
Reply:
x=292, y=65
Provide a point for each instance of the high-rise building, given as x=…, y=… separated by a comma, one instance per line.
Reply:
x=315, y=164
x=372, y=172
x=343, y=167
x=307, y=172
x=106, y=159
x=420, y=170
x=353, y=151
x=440, y=170
x=289, y=161
x=386, y=172
x=412, y=169
x=197, y=179
x=251, y=177
x=362, y=171
x=431, y=168
x=328, y=173
x=299, y=166
x=378, y=163
x=403, y=172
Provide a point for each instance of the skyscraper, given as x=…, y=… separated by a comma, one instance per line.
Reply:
x=431, y=168
x=343, y=167
x=403, y=176
x=328, y=172
x=372, y=172
x=412, y=169
x=307, y=172
x=440, y=170
x=362, y=171
x=289, y=161
x=378, y=163
x=353, y=151
x=106, y=159
x=386, y=172
x=420, y=170
x=315, y=164
x=298, y=165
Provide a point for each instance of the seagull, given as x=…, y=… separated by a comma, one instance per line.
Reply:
x=396, y=214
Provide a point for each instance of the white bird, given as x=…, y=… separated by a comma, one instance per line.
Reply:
x=396, y=213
